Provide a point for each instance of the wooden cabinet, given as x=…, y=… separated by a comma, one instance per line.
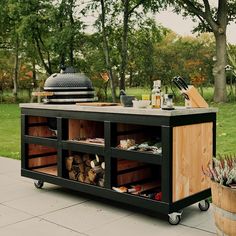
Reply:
x=52, y=135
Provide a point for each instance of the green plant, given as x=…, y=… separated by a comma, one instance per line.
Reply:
x=222, y=170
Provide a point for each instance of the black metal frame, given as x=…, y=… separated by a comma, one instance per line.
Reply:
x=111, y=154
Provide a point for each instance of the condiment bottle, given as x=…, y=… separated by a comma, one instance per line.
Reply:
x=156, y=94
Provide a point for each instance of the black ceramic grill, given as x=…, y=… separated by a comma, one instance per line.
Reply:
x=69, y=87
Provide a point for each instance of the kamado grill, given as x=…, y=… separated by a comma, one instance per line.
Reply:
x=69, y=86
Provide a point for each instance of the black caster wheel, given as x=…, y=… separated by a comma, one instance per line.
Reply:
x=38, y=183
x=204, y=205
x=174, y=218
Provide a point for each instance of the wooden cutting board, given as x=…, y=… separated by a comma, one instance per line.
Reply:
x=99, y=104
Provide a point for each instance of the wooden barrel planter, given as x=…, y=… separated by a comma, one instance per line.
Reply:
x=224, y=203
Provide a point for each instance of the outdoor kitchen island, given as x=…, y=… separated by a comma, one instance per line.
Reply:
x=148, y=158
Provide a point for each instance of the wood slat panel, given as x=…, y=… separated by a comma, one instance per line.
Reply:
x=192, y=149
x=42, y=161
x=39, y=149
x=85, y=129
x=134, y=176
x=127, y=164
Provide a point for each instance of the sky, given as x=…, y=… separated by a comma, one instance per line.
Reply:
x=184, y=26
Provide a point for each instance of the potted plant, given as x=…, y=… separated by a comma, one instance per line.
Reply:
x=222, y=172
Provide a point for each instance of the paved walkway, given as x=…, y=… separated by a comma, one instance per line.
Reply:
x=27, y=211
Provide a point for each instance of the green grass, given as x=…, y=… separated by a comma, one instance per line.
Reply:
x=226, y=128
x=10, y=126
x=10, y=130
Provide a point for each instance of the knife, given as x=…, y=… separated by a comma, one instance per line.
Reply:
x=180, y=87
x=183, y=83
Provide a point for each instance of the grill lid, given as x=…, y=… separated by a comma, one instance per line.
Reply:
x=68, y=80
x=68, y=86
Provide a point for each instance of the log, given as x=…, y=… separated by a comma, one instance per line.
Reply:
x=86, y=157
x=72, y=175
x=77, y=159
x=82, y=167
x=69, y=161
x=101, y=182
x=99, y=159
x=81, y=177
x=98, y=169
x=94, y=163
x=103, y=165
x=92, y=175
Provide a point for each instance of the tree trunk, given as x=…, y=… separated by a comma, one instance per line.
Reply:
x=220, y=94
x=34, y=74
x=16, y=69
x=71, y=44
x=107, y=53
x=124, y=53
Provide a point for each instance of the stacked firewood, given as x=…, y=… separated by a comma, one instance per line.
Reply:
x=86, y=168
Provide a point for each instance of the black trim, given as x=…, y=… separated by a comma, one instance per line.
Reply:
x=137, y=156
x=130, y=199
x=79, y=147
x=187, y=201
x=42, y=155
x=166, y=171
x=40, y=141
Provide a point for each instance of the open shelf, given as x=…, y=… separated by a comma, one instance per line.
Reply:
x=137, y=138
x=44, y=127
x=86, y=132
x=137, y=178
x=85, y=168
x=42, y=158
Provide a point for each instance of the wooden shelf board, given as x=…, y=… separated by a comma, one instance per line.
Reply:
x=51, y=170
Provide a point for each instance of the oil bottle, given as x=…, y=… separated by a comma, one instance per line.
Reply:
x=156, y=94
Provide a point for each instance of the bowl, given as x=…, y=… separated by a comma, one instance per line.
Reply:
x=141, y=103
x=126, y=100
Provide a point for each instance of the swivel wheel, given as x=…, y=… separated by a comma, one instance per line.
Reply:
x=204, y=205
x=174, y=218
x=38, y=183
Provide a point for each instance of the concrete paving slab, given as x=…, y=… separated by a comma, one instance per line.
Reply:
x=27, y=211
x=44, y=201
x=193, y=217
x=8, y=165
x=140, y=225
x=86, y=216
x=37, y=227
x=9, y=216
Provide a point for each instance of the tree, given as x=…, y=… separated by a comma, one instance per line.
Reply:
x=129, y=8
x=212, y=19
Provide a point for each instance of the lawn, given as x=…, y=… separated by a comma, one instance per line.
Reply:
x=10, y=129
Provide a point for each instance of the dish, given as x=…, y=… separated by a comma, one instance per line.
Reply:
x=141, y=103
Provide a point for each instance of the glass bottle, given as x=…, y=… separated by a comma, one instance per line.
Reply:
x=156, y=94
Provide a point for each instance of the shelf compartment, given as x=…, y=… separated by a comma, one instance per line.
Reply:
x=42, y=127
x=80, y=130
x=126, y=136
x=41, y=158
x=85, y=168
x=50, y=170
x=82, y=147
x=138, y=178
x=137, y=155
